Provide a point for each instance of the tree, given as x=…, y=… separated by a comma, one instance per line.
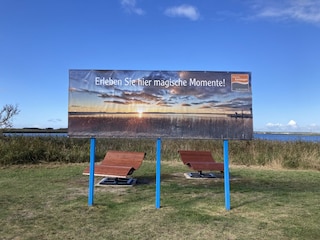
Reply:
x=6, y=115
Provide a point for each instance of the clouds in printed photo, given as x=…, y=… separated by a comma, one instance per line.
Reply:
x=131, y=92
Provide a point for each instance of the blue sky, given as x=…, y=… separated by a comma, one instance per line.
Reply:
x=277, y=41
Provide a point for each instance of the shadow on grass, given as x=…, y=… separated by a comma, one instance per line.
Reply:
x=244, y=189
x=247, y=186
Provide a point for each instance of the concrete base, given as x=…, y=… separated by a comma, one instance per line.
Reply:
x=197, y=175
x=121, y=182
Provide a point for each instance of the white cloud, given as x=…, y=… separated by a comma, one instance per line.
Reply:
x=298, y=10
x=292, y=124
x=130, y=6
x=55, y=120
x=274, y=125
x=187, y=11
x=314, y=127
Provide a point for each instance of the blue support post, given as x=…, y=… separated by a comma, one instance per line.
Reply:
x=226, y=174
x=91, y=177
x=158, y=172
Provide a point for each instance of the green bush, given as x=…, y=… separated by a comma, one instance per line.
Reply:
x=34, y=150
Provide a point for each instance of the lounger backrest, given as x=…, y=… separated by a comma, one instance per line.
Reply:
x=188, y=156
x=120, y=158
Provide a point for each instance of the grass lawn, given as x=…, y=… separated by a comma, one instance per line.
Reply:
x=51, y=202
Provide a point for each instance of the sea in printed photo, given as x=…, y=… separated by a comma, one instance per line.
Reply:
x=167, y=125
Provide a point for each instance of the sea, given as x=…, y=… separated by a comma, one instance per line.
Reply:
x=287, y=137
x=284, y=137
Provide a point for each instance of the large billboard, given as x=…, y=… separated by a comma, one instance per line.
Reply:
x=166, y=104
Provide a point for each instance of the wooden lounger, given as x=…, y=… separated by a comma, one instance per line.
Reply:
x=117, y=164
x=200, y=161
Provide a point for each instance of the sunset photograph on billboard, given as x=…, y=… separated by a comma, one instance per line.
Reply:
x=169, y=104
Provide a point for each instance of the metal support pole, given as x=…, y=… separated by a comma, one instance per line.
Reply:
x=91, y=177
x=226, y=174
x=158, y=172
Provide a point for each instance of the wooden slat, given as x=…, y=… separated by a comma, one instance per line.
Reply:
x=110, y=171
x=203, y=156
x=202, y=166
x=200, y=160
x=120, y=158
x=118, y=164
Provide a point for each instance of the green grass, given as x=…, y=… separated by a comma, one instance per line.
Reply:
x=35, y=150
x=50, y=201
